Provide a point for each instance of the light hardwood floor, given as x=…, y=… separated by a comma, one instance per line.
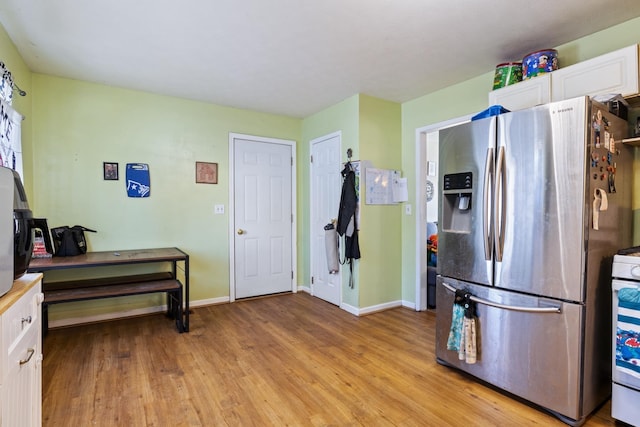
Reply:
x=289, y=360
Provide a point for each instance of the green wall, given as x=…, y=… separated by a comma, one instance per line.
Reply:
x=380, y=225
x=371, y=128
x=22, y=77
x=343, y=117
x=472, y=96
x=71, y=127
x=79, y=125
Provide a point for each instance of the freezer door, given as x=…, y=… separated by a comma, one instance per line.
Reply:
x=540, y=201
x=466, y=160
x=534, y=354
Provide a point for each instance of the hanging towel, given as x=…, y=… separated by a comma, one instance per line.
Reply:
x=628, y=332
x=461, y=350
x=455, y=333
x=462, y=335
x=331, y=248
x=469, y=340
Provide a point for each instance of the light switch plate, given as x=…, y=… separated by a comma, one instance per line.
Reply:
x=219, y=209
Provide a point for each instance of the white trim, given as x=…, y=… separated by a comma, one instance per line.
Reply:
x=115, y=315
x=409, y=304
x=294, y=204
x=371, y=309
x=380, y=307
x=311, y=254
x=421, y=213
x=118, y=315
x=305, y=288
x=350, y=309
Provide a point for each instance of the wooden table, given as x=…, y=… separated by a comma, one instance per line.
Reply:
x=105, y=287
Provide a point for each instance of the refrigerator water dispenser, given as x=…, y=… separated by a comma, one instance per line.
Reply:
x=457, y=203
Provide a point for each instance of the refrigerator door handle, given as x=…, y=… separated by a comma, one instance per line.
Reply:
x=486, y=223
x=550, y=309
x=499, y=216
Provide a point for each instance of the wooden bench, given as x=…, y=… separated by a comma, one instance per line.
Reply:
x=118, y=286
x=108, y=287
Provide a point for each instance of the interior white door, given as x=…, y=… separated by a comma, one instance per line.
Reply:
x=262, y=217
x=326, y=184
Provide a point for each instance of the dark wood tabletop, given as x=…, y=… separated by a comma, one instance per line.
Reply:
x=105, y=258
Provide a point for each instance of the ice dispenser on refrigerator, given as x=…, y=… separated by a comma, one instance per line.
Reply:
x=457, y=206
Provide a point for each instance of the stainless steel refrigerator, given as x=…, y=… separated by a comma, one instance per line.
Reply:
x=533, y=206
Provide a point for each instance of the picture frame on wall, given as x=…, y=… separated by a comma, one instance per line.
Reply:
x=110, y=171
x=206, y=173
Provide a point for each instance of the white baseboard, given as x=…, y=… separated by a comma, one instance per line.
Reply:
x=380, y=307
x=304, y=288
x=367, y=310
x=409, y=304
x=350, y=309
x=371, y=309
x=71, y=321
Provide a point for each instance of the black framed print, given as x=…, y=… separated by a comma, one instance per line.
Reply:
x=110, y=171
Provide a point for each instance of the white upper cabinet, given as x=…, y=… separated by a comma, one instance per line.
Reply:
x=525, y=94
x=614, y=72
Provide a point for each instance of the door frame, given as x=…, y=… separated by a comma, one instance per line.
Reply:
x=232, y=248
x=421, y=200
x=311, y=189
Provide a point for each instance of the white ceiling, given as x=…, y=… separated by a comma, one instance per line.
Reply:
x=293, y=57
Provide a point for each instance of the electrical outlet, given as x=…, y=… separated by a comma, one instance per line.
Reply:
x=218, y=209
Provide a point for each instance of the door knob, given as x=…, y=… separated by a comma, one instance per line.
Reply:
x=240, y=231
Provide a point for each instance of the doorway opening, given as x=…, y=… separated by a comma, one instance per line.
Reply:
x=427, y=199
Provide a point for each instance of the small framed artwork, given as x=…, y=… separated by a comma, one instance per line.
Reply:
x=110, y=171
x=206, y=173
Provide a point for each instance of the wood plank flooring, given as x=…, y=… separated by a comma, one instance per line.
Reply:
x=289, y=360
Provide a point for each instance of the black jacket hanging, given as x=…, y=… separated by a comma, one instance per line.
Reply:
x=347, y=225
x=348, y=200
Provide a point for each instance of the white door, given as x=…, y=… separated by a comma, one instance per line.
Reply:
x=326, y=185
x=263, y=222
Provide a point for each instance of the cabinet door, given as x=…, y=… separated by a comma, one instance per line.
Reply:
x=21, y=361
x=525, y=94
x=20, y=398
x=615, y=72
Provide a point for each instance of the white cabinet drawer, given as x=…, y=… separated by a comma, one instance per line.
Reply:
x=25, y=354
